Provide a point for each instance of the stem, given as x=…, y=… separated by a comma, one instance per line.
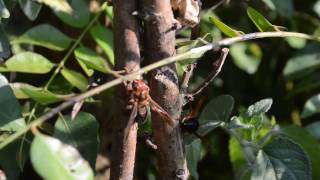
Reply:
x=163, y=62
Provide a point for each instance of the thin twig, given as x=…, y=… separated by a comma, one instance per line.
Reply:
x=217, y=66
x=163, y=62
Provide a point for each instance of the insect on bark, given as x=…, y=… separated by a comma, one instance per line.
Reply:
x=139, y=100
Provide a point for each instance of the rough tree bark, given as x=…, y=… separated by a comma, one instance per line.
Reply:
x=159, y=43
x=127, y=56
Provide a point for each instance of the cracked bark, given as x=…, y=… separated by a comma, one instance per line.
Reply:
x=127, y=56
x=159, y=43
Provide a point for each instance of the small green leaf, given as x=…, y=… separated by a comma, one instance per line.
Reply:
x=259, y=20
x=75, y=78
x=4, y=12
x=28, y=62
x=45, y=35
x=30, y=8
x=228, y=31
x=104, y=38
x=81, y=133
x=109, y=12
x=308, y=143
x=91, y=59
x=44, y=97
x=311, y=107
x=246, y=56
x=215, y=113
x=79, y=16
x=283, y=159
x=193, y=155
x=58, y=5
x=53, y=160
x=259, y=107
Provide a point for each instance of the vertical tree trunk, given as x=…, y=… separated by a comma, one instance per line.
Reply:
x=159, y=43
x=127, y=56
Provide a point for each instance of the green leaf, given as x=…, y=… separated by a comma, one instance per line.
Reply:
x=81, y=133
x=4, y=12
x=54, y=160
x=109, y=12
x=18, y=92
x=75, y=78
x=284, y=8
x=215, y=113
x=193, y=155
x=259, y=20
x=58, y=5
x=79, y=17
x=228, y=31
x=45, y=35
x=30, y=8
x=308, y=143
x=282, y=159
x=28, y=62
x=314, y=129
x=91, y=59
x=10, y=122
x=297, y=43
x=104, y=38
x=236, y=155
x=311, y=107
x=303, y=63
x=259, y=107
x=44, y=97
x=246, y=56
x=4, y=45
x=10, y=111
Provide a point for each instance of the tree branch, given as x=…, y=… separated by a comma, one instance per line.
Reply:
x=127, y=56
x=160, y=43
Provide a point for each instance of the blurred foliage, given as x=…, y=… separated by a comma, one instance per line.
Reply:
x=51, y=50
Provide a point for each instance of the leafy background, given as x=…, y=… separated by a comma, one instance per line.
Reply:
x=48, y=55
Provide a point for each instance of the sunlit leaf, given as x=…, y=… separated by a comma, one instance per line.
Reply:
x=28, y=62
x=30, y=8
x=282, y=159
x=228, y=31
x=104, y=38
x=4, y=12
x=18, y=92
x=91, y=59
x=308, y=143
x=75, y=78
x=81, y=133
x=59, y=5
x=215, y=113
x=44, y=97
x=109, y=12
x=246, y=56
x=304, y=62
x=54, y=160
x=311, y=107
x=193, y=152
x=259, y=20
x=45, y=35
x=79, y=16
x=259, y=107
